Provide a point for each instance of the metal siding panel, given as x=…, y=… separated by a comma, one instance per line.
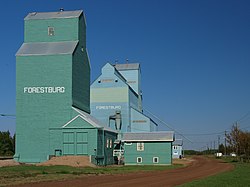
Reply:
x=133, y=100
x=102, y=111
x=132, y=78
x=53, y=15
x=104, y=95
x=166, y=136
x=139, y=122
x=47, y=48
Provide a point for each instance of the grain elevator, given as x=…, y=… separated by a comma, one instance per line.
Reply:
x=53, y=91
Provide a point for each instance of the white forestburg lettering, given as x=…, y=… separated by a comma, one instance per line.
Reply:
x=42, y=90
x=108, y=107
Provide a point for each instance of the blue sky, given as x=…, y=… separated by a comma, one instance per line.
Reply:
x=194, y=57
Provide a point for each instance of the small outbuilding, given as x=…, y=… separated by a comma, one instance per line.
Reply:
x=153, y=148
x=177, y=148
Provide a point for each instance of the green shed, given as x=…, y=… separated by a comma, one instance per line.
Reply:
x=53, y=92
x=153, y=148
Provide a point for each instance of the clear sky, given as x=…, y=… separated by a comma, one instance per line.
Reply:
x=194, y=55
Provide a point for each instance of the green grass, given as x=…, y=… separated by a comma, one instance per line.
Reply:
x=30, y=173
x=238, y=177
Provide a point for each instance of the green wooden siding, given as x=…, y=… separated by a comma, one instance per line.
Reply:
x=81, y=79
x=161, y=150
x=36, y=112
x=37, y=30
x=41, y=116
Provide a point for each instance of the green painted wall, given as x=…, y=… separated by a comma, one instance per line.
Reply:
x=162, y=150
x=81, y=79
x=36, y=112
x=40, y=116
x=105, y=147
x=65, y=30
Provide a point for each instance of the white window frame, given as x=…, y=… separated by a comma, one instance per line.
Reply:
x=107, y=143
x=128, y=143
x=137, y=159
x=156, y=157
x=51, y=31
x=140, y=146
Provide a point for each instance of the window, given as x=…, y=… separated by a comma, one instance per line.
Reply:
x=139, y=159
x=51, y=31
x=107, y=143
x=155, y=159
x=140, y=146
x=128, y=143
x=110, y=143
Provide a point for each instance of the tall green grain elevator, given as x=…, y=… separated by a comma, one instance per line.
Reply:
x=53, y=91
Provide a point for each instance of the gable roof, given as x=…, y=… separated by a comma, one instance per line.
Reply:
x=53, y=15
x=132, y=66
x=91, y=120
x=159, y=136
x=47, y=48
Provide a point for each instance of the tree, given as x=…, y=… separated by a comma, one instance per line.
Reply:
x=239, y=142
x=6, y=144
x=221, y=149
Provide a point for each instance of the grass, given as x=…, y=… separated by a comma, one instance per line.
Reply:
x=235, y=178
x=30, y=173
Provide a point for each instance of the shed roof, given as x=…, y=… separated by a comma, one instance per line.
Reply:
x=160, y=136
x=132, y=66
x=47, y=48
x=52, y=15
x=178, y=142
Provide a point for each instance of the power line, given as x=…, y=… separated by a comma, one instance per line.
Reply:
x=163, y=122
x=244, y=116
x=205, y=134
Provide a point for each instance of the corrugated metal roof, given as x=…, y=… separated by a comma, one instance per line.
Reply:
x=51, y=15
x=93, y=121
x=47, y=48
x=134, y=66
x=150, y=136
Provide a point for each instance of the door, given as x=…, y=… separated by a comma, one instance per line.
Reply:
x=68, y=143
x=81, y=143
x=75, y=143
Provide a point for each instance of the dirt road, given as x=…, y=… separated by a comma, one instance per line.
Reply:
x=200, y=168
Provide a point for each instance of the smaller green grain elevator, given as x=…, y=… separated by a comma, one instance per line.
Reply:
x=53, y=92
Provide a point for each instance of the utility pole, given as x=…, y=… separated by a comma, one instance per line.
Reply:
x=218, y=142
x=214, y=145
x=225, y=143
